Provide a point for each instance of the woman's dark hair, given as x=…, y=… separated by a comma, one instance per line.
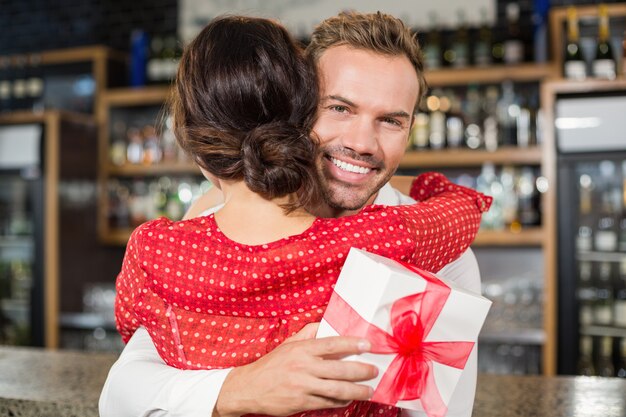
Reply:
x=244, y=104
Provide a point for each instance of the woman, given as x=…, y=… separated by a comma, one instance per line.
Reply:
x=224, y=289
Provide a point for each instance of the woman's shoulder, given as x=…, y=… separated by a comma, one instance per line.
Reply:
x=163, y=227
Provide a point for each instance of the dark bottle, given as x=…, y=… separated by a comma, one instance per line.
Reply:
x=5, y=85
x=606, y=233
x=458, y=54
x=585, y=358
x=574, y=66
x=155, y=65
x=603, y=308
x=35, y=84
x=619, y=306
x=621, y=367
x=603, y=65
x=586, y=294
x=513, y=45
x=19, y=84
x=624, y=58
x=482, y=47
x=605, y=360
x=432, y=44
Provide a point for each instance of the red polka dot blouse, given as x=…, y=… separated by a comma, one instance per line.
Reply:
x=209, y=302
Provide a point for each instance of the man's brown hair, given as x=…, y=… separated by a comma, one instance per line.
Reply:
x=377, y=32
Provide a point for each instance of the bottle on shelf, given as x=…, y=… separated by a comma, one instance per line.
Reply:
x=513, y=45
x=606, y=233
x=134, y=150
x=508, y=110
x=619, y=305
x=528, y=196
x=603, y=307
x=624, y=56
x=574, y=66
x=622, y=223
x=605, y=359
x=457, y=55
x=603, y=65
x=155, y=64
x=118, y=143
x=421, y=130
x=482, y=46
x=585, y=357
x=491, y=127
x=35, y=84
x=586, y=293
x=19, y=90
x=621, y=365
x=432, y=44
x=437, y=132
x=584, y=237
x=454, y=123
x=5, y=84
x=472, y=111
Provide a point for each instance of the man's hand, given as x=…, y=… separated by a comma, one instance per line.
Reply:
x=303, y=373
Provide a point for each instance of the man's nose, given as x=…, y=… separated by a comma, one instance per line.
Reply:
x=362, y=137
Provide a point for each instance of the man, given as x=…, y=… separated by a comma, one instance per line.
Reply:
x=371, y=79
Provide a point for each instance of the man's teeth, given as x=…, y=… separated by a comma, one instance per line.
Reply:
x=349, y=167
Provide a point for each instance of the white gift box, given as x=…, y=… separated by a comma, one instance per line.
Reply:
x=374, y=287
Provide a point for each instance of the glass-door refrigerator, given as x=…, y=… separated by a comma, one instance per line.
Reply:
x=21, y=225
x=590, y=133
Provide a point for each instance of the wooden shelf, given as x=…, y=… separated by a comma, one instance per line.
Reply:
x=156, y=169
x=589, y=85
x=116, y=237
x=490, y=75
x=471, y=158
x=19, y=117
x=526, y=237
x=144, y=96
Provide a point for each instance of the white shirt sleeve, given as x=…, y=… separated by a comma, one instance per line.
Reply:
x=140, y=384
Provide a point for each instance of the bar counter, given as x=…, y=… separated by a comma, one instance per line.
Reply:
x=36, y=382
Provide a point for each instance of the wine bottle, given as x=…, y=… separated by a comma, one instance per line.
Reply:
x=585, y=359
x=619, y=306
x=5, y=84
x=432, y=45
x=513, y=45
x=574, y=66
x=456, y=54
x=606, y=233
x=604, y=63
x=621, y=368
x=482, y=47
x=605, y=360
x=586, y=294
x=603, y=309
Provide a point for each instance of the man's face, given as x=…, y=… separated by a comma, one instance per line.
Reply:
x=363, y=123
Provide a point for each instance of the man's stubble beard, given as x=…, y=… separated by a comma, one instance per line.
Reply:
x=340, y=196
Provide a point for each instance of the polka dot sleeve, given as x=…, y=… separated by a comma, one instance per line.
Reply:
x=129, y=286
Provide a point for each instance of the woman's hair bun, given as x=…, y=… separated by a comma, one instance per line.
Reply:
x=278, y=159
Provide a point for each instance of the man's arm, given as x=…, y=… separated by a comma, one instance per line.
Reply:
x=301, y=374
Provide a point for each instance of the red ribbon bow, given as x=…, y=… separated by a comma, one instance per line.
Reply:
x=409, y=375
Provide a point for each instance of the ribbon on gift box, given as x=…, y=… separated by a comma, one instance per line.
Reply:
x=410, y=374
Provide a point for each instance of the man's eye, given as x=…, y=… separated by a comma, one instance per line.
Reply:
x=392, y=121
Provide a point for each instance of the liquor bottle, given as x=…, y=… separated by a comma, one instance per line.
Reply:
x=491, y=128
x=482, y=47
x=605, y=359
x=513, y=45
x=624, y=59
x=603, y=307
x=432, y=45
x=457, y=56
x=152, y=153
x=5, y=85
x=510, y=201
x=585, y=358
x=170, y=58
x=437, y=134
x=603, y=65
x=622, y=223
x=528, y=196
x=154, y=67
x=35, y=84
x=134, y=151
x=586, y=294
x=621, y=367
x=507, y=112
x=454, y=123
x=523, y=122
x=118, y=143
x=472, y=110
x=19, y=84
x=606, y=232
x=421, y=130
x=619, y=306
x=584, y=238
x=574, y=66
